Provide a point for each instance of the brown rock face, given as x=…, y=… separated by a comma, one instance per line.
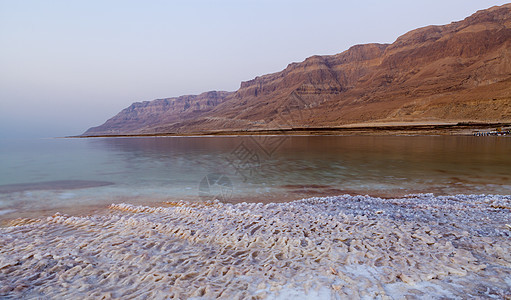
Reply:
x=452, y=73
x=142, y=116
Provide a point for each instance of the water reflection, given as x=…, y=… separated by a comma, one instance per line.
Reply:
x=149, y=170
x=358, y=164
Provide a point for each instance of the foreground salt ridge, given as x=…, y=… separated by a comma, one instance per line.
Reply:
x=339, y=247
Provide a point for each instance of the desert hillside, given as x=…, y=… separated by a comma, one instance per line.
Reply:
x=460, y=72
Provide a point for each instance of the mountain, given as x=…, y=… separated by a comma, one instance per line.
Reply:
x=148, y=116
x=460, y=72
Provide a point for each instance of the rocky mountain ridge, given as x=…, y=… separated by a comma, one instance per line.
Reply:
x=460, y=72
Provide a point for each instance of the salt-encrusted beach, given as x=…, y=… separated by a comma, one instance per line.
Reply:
x=343, y=247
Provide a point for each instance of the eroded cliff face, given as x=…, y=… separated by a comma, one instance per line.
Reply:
x=456, y=72
x=141, y=116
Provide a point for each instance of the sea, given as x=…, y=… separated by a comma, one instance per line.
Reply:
x=79, y=176
x=256, y=217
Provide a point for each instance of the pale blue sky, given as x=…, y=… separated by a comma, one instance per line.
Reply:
x=68, y=65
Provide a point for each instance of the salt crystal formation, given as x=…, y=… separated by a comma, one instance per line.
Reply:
x=343, y=247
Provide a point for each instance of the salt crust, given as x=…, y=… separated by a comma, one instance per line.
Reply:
x=343, y=247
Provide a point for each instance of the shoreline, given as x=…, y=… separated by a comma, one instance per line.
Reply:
x=13, y=215
x=460, y=128
x=345, y=246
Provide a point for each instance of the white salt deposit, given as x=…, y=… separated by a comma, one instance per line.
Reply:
x=345, y=247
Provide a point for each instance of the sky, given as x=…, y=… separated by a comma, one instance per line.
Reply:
x=66, y=65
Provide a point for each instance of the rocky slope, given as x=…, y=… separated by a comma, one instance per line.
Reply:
x=453, y=73
x=147, y=115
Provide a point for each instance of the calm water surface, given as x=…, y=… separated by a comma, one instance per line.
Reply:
x=41, y=177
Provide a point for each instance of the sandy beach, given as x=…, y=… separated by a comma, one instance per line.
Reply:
x=343, y=247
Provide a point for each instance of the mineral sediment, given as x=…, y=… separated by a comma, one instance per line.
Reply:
x=341, y=247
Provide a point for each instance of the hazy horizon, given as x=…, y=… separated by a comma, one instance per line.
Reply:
x=67, y=66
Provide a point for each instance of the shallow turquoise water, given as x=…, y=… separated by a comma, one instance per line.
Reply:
x=40, y=177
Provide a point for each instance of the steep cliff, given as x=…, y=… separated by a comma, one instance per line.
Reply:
x=456, y=72
x=141, y=116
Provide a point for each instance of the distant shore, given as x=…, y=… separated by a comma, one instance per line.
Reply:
x=411, y=128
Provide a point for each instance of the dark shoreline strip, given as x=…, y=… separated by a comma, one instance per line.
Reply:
x=321, y=130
